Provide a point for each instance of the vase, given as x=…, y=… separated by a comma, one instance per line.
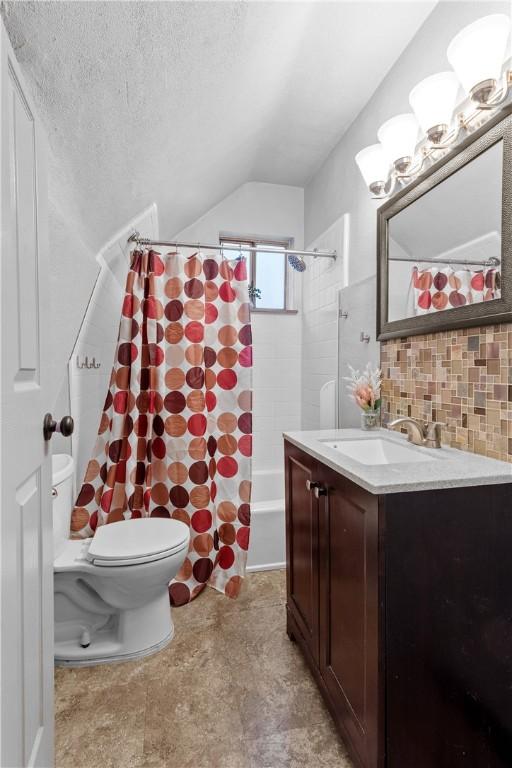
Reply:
x=370, y=420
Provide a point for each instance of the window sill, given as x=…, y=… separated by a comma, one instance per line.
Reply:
x=262, y=311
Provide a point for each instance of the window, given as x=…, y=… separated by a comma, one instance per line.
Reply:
x=267, y=273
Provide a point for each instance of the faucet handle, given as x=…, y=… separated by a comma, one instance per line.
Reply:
x=433, y=425
x=433, y=434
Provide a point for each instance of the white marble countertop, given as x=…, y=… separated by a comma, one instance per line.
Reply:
x=448, y=467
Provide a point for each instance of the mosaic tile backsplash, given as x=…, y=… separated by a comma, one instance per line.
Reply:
x=461, y=378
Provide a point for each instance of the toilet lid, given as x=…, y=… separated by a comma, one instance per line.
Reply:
x=138, y=540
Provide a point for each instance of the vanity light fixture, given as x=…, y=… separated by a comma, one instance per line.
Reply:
x=374, y=167
x=398, y=137
x=477, y=54
x=433, y=101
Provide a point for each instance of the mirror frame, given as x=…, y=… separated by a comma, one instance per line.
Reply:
x=498, y=128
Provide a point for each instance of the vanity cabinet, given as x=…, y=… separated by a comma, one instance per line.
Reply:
x=402, y=606
x=348, y=607
x=302, y=550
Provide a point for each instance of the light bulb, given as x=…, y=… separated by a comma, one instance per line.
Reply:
x=374, y=167
x=433, y=101
x=398, y=137
x=477, y=54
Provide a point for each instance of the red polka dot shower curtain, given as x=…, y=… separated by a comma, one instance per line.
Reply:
x=175, y=436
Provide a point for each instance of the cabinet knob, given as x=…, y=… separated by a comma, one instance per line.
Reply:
x=317, y=488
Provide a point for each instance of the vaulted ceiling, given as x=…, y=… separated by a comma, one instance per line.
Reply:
x=181, y=102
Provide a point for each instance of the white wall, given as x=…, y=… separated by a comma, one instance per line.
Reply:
x=276, y=211
x=97, y=338
x=73, y=269
x=338, y=188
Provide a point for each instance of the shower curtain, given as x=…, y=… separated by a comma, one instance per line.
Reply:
x=175, y=436
x=435, y=289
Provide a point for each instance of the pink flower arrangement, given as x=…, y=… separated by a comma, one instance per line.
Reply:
x=365, y=387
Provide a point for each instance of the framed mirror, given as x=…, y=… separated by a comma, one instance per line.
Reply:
x=445, y=241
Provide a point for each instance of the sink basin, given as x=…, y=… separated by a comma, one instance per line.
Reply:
x=378, y=450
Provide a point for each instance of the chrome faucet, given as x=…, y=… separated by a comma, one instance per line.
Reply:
x=427, y=434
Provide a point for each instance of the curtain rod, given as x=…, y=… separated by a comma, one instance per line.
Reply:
x=136, y=238
x=492, y=262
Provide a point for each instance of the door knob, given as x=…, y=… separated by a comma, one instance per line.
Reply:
x=65, y=426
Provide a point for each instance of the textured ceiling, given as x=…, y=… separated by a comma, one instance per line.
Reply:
x=181, y=102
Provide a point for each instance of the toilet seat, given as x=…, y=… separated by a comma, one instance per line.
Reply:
x=135, y=542
x=103, y=562
x=114, y=546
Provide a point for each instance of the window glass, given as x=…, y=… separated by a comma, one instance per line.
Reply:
x=270, y=280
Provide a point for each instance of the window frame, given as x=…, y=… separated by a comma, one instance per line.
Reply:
x=264, y=242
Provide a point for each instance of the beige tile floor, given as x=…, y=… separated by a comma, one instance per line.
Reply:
x=231, y=691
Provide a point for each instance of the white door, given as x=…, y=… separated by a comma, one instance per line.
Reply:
x=26, y=596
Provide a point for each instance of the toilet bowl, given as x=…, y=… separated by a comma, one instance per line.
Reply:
x=111, y=597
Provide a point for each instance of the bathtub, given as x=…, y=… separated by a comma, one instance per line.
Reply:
x=267, y=543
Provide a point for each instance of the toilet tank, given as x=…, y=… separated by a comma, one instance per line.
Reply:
x=62, y=499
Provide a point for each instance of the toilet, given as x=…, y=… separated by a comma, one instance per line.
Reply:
x=111, y=596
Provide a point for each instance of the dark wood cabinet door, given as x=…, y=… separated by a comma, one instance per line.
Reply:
x=302, y=546
x=348, y=534
x=448, y=628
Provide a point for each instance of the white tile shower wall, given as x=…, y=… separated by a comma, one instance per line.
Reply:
x=358, y=302
x=276, y=381
x=322, y=282
x=91, y=361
